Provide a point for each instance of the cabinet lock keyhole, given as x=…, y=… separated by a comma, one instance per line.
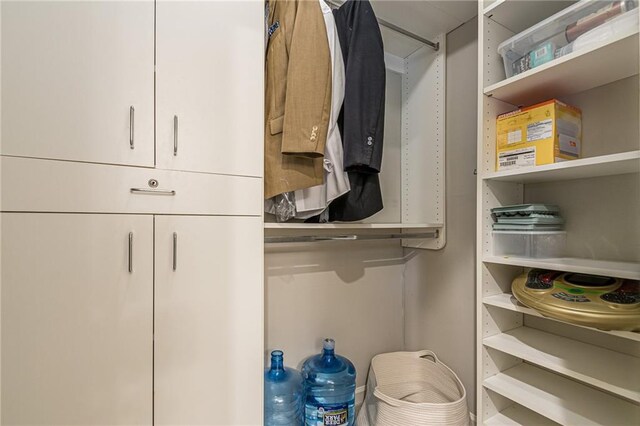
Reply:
x=153, y=183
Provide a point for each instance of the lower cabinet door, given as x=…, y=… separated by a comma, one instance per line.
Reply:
x=208, y=349
x=77, y=318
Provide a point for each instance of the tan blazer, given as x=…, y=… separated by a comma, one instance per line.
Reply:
x=298, y=96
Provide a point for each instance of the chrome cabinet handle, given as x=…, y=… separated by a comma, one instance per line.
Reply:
x=152, y=191
x=130, y=252
x=175, y=135
x=131, y=125
x=175, y=250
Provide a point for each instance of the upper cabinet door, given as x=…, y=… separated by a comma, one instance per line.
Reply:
x=209, y=81
x=77, y=80
x=208, y=340
x=77, y=319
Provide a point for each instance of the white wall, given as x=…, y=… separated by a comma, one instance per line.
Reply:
x=349, y=291
x=440, y=285
x=352, y=292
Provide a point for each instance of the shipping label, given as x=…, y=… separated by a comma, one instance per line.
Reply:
x=517, y=158
x=539, y=130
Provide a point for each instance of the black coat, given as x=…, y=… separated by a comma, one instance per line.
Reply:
x=361, y=120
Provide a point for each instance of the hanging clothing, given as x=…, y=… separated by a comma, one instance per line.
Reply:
x=312, y=201
x=362, y=118
x=297, y=98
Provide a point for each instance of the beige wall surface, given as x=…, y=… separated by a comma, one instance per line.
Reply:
x=351, y=292
x=440, y=285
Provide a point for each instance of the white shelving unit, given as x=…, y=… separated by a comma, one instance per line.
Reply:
x=509, y=302
x=590, y=364
x=518, y=15
x=532, y=369
x=607, y=62
x=518, y=415
x=605, y=165
x=560, y=399
x=629, y=270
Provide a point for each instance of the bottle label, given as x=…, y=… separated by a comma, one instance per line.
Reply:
x=328, y=415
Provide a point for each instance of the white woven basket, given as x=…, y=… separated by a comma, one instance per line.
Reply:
x=407, y=388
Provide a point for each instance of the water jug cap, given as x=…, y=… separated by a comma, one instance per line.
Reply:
x=329, y=344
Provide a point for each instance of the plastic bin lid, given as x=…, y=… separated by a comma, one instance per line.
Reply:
x=531, y=232
x=525, y=209
x=554, y=25
x=532, y=219
x=526, y=228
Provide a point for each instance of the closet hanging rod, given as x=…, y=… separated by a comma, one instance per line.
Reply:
x=353, y=237
x=434, y=45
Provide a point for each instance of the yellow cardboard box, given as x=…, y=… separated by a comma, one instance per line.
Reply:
x=540, y=134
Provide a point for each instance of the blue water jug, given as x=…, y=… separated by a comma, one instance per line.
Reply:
x=329, y=388
x=282, y=393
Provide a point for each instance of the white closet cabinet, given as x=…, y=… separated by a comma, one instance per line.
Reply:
x=208, y=320
x=79, y=298
x=209, y=81
x=77, y=319
x=77, y=81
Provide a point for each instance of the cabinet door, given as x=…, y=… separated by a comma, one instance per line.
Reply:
x=208, y=361
x=71, y=73
x=210, y=96
x=76, y=324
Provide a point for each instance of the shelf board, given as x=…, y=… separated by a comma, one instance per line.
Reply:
x=576, y=72
x=560, y=399
x=601, y=368
x=629, y=270
x=520, y=15
x=605, y=165
x=509, y=302
x=346, y=226
x=517, y=415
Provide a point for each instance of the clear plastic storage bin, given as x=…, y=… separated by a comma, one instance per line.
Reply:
x=534, y=244
x=577, y=27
